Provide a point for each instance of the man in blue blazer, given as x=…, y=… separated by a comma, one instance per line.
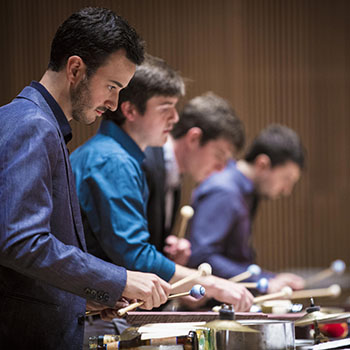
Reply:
x=45, y=272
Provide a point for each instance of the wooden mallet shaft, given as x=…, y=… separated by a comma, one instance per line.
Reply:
x=337, y=267
x=332, y=291
x=133, y=306
x=92, y=313
x=252, y=270
x=203, y=270
x=186, y=214
x=322, y=275
x=251, y=285
x=196, y=291
x=241, y=277
x=285, y=292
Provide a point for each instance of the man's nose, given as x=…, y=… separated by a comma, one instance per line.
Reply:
x=112, y=103
x=175, y=116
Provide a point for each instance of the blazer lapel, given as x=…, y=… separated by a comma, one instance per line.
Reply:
x=33, y=95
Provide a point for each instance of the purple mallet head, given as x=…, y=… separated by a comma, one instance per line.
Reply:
x=262, y=285
x=197, y=291
x=254, y=269
x=338, y=266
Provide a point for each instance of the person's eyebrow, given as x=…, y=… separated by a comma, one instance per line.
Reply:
x=166, y=103
x=117, y=83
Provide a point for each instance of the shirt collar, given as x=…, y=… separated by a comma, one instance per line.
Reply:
x=62, y=121
x=173, y=178
x=108, y=127
x=246, y=184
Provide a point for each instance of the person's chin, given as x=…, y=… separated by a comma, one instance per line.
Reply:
x=199, y=178
x=159, y=143
x=90, y=120
x=165, y=138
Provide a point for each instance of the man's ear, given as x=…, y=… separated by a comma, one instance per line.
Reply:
x=75, y=69
x=193, y=137
x=262, y=162
x=129, y=110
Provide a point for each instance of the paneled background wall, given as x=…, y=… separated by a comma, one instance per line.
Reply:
x=283, y=61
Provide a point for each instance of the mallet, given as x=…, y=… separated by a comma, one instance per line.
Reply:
x=332, y=291
x=197, y=291
x=261, y=286
x=336, y=268
x=186, y=214
x=203, y=270
x=286, y=292
x=252, y=270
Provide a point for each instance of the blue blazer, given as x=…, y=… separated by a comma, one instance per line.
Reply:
x=45, y=273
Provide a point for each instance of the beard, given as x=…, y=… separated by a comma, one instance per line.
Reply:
x=80, y=99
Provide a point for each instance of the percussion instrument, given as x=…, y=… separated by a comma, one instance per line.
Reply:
x=321, y=317
x=256, y=331
x=269, y=335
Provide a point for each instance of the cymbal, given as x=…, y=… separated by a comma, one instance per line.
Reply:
x=229, y=325
x=320, y=317
x=332, y=310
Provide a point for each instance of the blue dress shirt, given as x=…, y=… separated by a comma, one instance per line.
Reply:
x=113, y=195
x=221, y=228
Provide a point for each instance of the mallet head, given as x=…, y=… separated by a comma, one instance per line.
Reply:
x=254, y=269
x=197, y=291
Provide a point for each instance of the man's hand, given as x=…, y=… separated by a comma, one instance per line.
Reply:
x=106, y=313
x=285, y=279
x=228, y=292
x=178, y=250
x=146, y=287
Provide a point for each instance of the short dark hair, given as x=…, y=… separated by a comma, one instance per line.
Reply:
x=152, y=78
x=280, y=143
x=214, y=116
x=93, y=34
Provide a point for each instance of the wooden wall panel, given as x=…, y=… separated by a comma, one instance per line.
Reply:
x=284, y=61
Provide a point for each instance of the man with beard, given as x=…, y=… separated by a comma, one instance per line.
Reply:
x=112, y=186
x=46, y=274
x=225, y=204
